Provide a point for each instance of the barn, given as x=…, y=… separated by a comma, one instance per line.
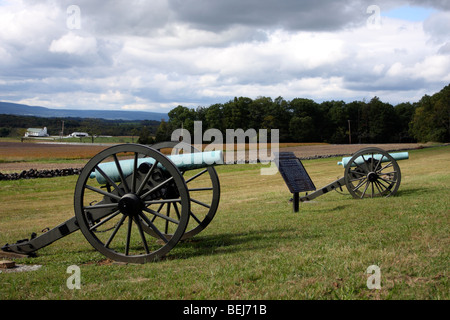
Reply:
x=36, y=132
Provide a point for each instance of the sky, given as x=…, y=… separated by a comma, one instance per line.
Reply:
x=156, y=55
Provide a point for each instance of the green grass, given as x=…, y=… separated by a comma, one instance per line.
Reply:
x=256, y=247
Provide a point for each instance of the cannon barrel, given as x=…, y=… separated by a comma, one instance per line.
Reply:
x=184, y=162
x=377, y=157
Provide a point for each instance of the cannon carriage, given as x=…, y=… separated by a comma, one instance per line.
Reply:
x=368, y=173
x=133, y=203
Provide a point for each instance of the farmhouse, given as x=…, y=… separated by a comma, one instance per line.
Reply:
x=36, y=132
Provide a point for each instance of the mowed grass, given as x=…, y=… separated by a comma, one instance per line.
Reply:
x=256, y=247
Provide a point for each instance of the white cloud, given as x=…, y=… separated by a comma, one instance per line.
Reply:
x=398, y=69
x=72, y=43
x=112, y=96
x=27, y=23
x=434, y=68
x=378, y=69
x=136, y=107
x=155, y=55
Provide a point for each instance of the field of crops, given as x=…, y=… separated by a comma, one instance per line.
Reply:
x=256, y=247
x=30, y=152
x=16, y=156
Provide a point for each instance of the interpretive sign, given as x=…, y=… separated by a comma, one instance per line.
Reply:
x=294, y=174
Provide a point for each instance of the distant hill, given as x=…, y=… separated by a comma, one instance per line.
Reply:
x=25, y=110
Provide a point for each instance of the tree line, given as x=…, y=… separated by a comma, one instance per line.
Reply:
x=298, y=120
x=13, y=125
x=337, y=122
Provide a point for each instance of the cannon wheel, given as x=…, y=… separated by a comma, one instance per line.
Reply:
x=111, y=215
x=370, y=177
x=204, y=190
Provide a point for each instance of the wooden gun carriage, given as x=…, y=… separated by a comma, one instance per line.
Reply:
x=134, y=204
x=368, y=173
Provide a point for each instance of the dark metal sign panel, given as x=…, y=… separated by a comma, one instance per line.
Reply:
x=293, y=172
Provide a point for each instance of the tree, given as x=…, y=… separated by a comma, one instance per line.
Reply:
x=378, y=122
x=134, y=132
x=280, y=111
x=259, y=113
x=163, y=133
x=442, y=115
x=144, y=137
x=431, y=120
x=235, y=113
x=214, y=117
x=305, y=112
x=333, y=126
x=353, y=111
x=4, y=132
x=405, y=112
x=182, y=117
x=302, y=129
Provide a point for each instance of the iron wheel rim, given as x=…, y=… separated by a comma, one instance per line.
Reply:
x=109, y=207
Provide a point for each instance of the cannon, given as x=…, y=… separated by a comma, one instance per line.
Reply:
x=368, y=173
x=133, y=204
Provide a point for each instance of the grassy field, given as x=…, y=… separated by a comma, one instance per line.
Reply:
x=256, y=247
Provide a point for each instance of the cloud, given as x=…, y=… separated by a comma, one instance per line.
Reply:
x=158, y=54
x=74, y=44
x=445, y=49
x=437, y=4
x=305, y=15
x=438, y=26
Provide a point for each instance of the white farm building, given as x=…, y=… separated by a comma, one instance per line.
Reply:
x=36, y=132
x=78, y=134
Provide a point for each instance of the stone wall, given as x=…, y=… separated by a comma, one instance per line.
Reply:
x=33, y=174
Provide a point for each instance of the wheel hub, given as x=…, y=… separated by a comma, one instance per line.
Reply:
x=372, y=176
x=130, y=204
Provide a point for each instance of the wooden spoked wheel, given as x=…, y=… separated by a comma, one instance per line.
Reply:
x=372, y=172
x=204, y=190
x=117, y=196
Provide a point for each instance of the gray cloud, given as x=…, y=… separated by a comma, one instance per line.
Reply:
x=437, y=4
x=438, y=26
x=160, y=53
x=306, y=15
x=132, y=17
x=445, y=49
x=291, y=14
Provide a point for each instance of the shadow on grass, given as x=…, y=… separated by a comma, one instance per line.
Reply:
x=268, y=239
x=414, y=192
x=237, y=242
x=199, y=245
